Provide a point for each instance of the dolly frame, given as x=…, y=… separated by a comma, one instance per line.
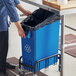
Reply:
x=34, y=67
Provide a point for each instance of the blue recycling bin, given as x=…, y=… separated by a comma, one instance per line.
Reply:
x=41, y=42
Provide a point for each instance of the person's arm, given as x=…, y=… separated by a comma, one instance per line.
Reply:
x=26, y=12
x=20, y=30
x=13, y=15
x=19, y=6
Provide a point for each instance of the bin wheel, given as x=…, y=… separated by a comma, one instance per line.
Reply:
x=19, y=72
x=59, y=68
x=34, y=74
x=23, y=73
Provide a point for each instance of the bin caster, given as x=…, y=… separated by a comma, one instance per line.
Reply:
x=59, y=68
x=34, y=74
x=23, y=73
x=19, y=72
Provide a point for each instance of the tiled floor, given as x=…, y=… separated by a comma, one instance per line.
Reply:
x=15, y=72
x=70, y=38
x=69, y=61
x=71, y=50
x=70, y=42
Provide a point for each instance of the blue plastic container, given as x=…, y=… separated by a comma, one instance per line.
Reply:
x=42, y=38
x=40, y=44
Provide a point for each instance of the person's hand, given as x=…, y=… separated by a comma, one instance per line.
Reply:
x=20, y=29
x=27, y=13
x=21, y=32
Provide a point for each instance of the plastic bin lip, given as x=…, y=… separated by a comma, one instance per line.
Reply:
x=52, y=18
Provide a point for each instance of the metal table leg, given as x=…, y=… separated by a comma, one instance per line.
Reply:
x=62, y=43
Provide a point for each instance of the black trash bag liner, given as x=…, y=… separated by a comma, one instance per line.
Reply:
x=38, y=19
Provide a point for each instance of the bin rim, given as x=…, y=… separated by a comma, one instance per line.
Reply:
x=51, y=19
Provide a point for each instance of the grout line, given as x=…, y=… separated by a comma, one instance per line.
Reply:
x=67, y=41
x=72, y=44
x=70, y=48
x=13, y=72
x=28, y=73
x=73, y=40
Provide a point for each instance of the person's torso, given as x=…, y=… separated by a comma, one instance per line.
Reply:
x=4, y=16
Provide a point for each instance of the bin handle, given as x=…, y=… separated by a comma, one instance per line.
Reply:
x=29, y=35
